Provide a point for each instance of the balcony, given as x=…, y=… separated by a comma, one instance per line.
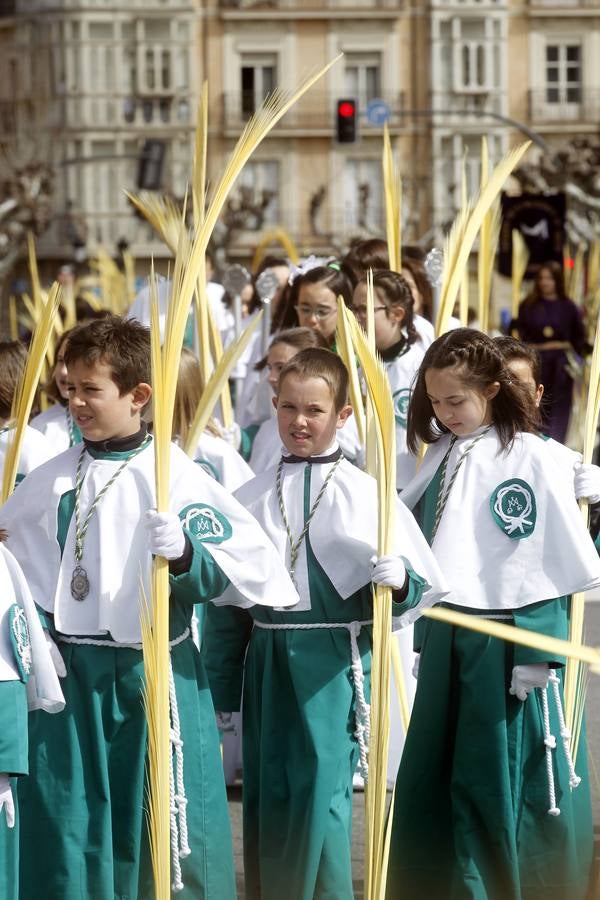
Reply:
x=303, y=6
x=584, y=108
x=554, y=7
x=104, y=110
x=313, y=115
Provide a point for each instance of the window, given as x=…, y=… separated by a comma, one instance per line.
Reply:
x=258, y=79
x=258, y=193
x=362, y=77
x=362, y=194
x=563, y=73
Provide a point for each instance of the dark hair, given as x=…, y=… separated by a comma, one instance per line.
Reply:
x=479, y=363
x=298, y=338
x=363, y=255
x=123, y=344
x=417, y=270
x=267, y=262
x=330, y=275
x=316, y=362
x=396, y=292
x=511, y=348
x=556, y=270
x=13, y=356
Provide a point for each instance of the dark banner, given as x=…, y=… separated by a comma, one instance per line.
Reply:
x=541, y=220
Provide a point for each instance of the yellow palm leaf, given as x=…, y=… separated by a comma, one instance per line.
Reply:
x=464, y=232
x=25, y=393
x=275, y=236
x=520, y=261
x=392, y=185
x=343, y=342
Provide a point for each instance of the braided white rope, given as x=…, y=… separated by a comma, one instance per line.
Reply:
x=550, y=742
x=362, y=713
x=92, y=642
x=574, y=779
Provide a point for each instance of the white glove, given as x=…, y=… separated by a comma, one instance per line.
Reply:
x=587, y=482
x=225, y=721
x=233, y=435
x=526, y=678
x=415, y=668
x=165, y=534
x=389, y=571
x=56, y=656
x=6, y=801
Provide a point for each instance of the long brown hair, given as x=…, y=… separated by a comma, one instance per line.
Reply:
x=190, y=387
x=478, y=363
x=556, y=270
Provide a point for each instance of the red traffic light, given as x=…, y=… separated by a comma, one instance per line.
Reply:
x=346, y=109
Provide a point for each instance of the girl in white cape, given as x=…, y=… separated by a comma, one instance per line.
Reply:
x=56, y=423
x=484, y=805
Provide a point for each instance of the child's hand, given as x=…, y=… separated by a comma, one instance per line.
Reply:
x=6, y=801
x=165, y=534
x=56, y=656
x=587, y=482
x=526, y=678
x=415, y=668
x=389, y=571
x=233, y=435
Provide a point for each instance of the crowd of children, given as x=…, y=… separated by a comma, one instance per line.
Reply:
x=271, y=566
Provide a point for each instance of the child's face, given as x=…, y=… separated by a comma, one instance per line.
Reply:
x=100, y=411
x=460, y=408
x=306, y=415
x=388, y=320
x=522, y=372
x=60, y=372
x=317, y=309
x=277, y=357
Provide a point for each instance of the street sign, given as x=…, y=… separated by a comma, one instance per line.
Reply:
x=378, y=112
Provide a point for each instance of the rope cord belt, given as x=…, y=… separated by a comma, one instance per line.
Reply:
x=550, y=741
x=445, y=492
x=180, y=847
x=362, y=713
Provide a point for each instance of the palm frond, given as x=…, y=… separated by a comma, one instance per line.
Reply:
x=392, y=187
x=520, y=261
x=464, y=232
x=343, y=342
x=275, y=236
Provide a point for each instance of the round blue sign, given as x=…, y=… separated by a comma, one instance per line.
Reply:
x=378, y=112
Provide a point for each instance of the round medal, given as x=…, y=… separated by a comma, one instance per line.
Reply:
x=548, y=331
x=80, y=585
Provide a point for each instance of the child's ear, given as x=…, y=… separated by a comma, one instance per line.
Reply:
x=539, y=393
x=491, y=390
x=396, y=314
x=274, y=401
x=343, y=415
x=141, y=395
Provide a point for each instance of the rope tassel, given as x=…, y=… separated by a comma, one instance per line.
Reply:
x=550, y=743
x=574, y=779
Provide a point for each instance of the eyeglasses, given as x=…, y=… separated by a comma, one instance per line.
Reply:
x=362, y=310
x=321, y=312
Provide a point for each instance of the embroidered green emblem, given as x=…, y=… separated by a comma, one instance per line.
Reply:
x=513, y=508
x=401, y=399
x=208, y=468
x=206, y=523
x=19, y=639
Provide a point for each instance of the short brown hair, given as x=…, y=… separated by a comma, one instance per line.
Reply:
x=13, y=356
x=123, y=344
x=317, y=363
x=298, y=338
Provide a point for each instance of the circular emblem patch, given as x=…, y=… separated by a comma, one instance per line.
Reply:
x=401, y=400
x=206, y=523
x=513, y=508
x=208, y=467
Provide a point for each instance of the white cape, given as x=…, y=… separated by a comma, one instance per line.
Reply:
x=116, y=554
x=484, y=566
x=43, y=687
x=343, y=531
x=53, y=424
x=401, y=373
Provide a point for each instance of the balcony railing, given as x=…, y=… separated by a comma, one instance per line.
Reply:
x=315, y=114
x=581, y=106
x=124, y=110
x=304, y=6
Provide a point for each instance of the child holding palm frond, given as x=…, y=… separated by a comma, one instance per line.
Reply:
x=306, y=673
x=84, y=528
x=484, y=805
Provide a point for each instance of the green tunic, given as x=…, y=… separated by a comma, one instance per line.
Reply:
x=471, y=816
x=13, y=761
x=83, y=821
x=300, y=752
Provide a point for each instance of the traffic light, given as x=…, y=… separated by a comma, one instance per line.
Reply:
x=346, y=121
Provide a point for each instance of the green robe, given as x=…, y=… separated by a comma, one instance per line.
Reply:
x=470, y=818
x=13, y=761
x=299, y=748
x=83, y=821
